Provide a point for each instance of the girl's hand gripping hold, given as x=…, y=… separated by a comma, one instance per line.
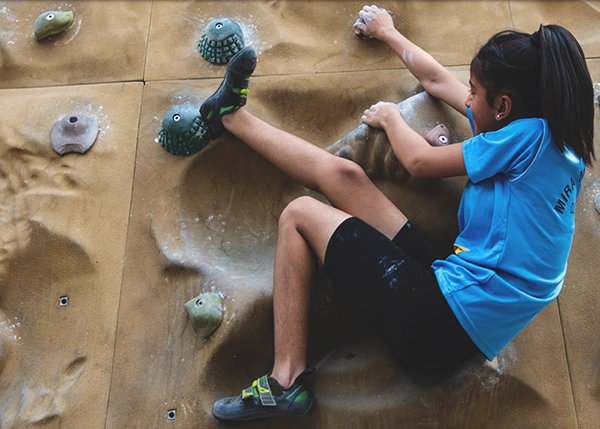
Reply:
x=373, y=22
x=381, y=114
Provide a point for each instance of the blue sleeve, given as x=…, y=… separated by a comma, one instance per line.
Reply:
x=509, y=150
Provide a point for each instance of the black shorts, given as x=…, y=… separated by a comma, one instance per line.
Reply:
x=392, y=285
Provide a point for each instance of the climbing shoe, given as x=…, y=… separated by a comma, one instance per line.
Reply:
x=266, y=398
x=231, y=94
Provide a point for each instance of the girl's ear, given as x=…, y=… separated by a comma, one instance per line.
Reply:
x=503, y=106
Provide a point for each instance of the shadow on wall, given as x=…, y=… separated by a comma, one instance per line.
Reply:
x=37, y=384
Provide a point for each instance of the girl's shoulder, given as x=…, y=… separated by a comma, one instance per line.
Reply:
x=526, y=127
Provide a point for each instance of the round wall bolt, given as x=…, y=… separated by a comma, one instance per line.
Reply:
x=172, y=414
x=63, y=301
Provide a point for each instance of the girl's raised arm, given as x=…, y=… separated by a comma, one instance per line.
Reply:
x=377, y=23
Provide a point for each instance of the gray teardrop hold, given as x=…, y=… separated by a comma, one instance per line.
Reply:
x=221, y=39
x=74, y=133
x=205, y=312
x=183, y=131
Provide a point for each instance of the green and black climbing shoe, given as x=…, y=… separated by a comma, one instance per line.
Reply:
x=266, y=398
x=232, y=92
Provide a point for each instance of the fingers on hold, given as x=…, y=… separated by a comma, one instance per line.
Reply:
x=360, y=29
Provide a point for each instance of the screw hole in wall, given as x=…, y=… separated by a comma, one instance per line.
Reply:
x=171, y=414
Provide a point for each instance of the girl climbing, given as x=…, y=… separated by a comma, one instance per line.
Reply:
x=530, y=106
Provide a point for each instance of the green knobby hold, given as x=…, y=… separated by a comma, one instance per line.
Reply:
x=205, y=312
x=183, y=131
x=52, y=22
x=221, y=39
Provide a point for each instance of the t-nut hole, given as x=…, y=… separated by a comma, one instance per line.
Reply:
x=63, y=301
x=176, y=117
x=219, y=25
x=172, y=414
x=73, y=119
x=199, y=302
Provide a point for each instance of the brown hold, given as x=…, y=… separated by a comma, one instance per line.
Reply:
x=438, y=136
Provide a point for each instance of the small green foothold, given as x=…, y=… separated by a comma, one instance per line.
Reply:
x=205, y=312
x=52, y=22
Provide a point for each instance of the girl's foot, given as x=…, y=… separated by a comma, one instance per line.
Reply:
x=266, y=398
x=232, y=92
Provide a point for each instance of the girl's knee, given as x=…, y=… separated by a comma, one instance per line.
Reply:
x=348, y=172
x=296, y=210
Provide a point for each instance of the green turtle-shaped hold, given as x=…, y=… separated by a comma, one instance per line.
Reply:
x=183, y=131
x=205, y=312
x=52, y=22
x=220, y=40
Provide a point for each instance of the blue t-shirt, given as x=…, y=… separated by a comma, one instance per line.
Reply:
x=516, y=223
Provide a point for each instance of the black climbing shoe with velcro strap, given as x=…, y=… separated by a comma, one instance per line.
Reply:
x=266, y=398
x=231, y=94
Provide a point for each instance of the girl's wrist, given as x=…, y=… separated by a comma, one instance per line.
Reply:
x=391, y=118
x=387, y=35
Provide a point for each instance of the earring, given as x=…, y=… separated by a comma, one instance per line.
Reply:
x=498, y=116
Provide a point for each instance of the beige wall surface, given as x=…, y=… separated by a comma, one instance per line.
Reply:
x=129, y=233
x=64, y=223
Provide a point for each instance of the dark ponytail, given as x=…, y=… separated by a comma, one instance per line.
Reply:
x=546, y=75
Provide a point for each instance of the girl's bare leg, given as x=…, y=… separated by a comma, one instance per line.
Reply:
x=305, y=227
x=343, y=182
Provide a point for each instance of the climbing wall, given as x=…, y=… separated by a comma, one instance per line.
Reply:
x=100, y=251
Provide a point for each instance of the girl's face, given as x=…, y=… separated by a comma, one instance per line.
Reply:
x=484, y=115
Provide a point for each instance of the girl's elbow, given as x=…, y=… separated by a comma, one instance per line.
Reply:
x=417, y=168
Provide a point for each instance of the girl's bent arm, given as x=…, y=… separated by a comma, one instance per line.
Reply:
x=434, y=77
x=418, y=157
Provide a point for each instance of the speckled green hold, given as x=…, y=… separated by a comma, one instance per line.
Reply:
x=205, y=312
x=52, y=22
x=183, y=131
x=220, y=40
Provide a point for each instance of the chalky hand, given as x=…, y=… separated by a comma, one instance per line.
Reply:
x=373, y=22
x=380, y=113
